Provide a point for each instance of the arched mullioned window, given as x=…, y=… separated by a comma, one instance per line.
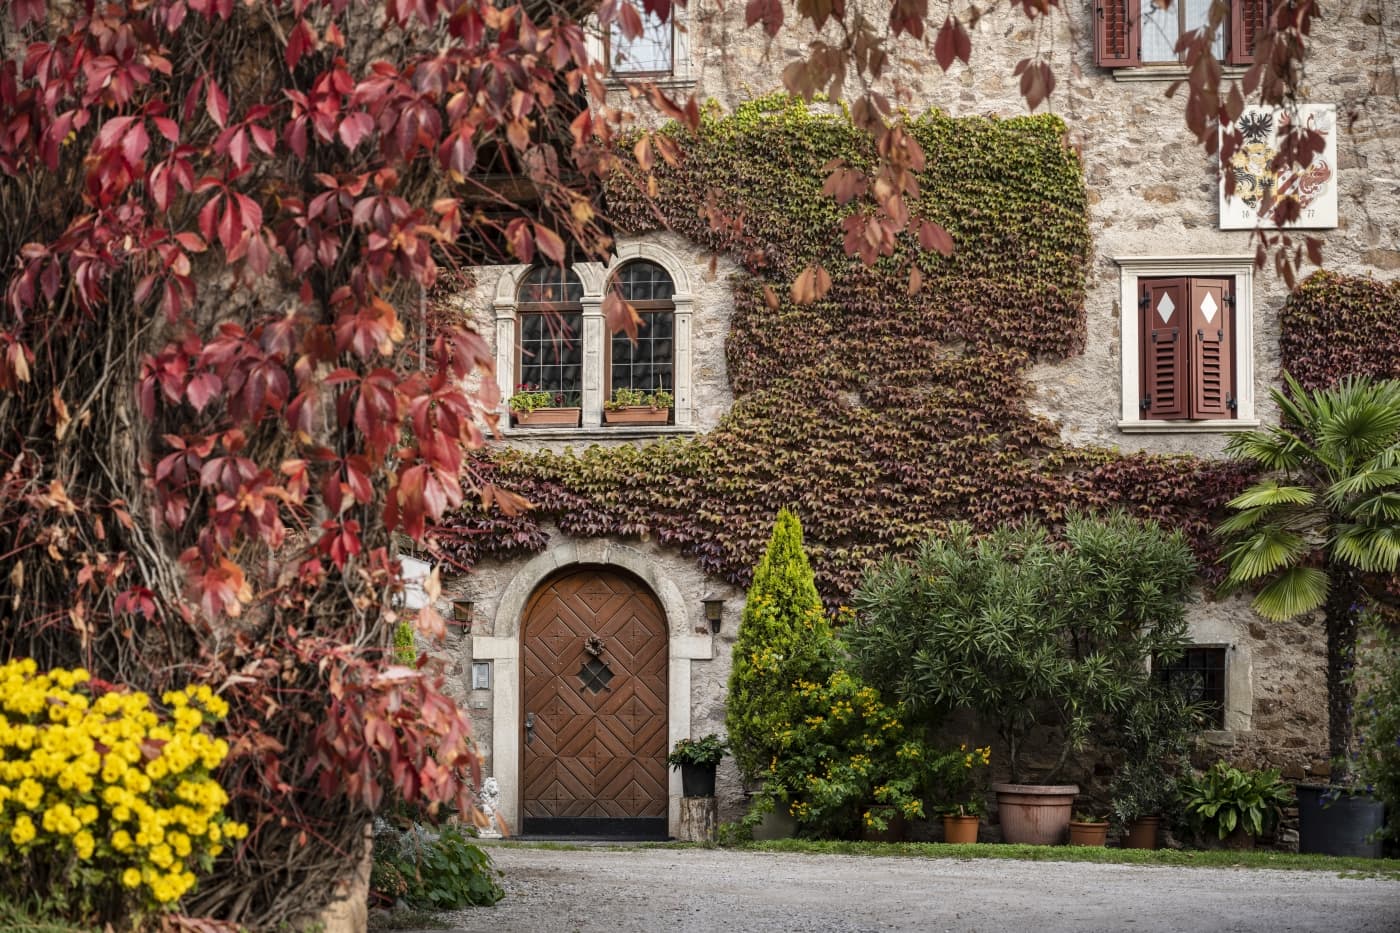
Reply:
x=648, y=364
x=549, y=345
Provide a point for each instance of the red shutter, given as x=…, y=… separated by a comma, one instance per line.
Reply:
x=1249, y=20
x=1163, y=314
x=1212, y=348
x=1116, y=24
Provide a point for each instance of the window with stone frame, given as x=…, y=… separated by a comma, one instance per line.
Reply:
x=648, y=363
x=650, y=54
x=1130, y=33
x=549, y=347
x=1187, y=327
x=1186, y=336
x=1200, y=676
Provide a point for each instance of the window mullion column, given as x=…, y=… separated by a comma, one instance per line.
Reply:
x=680, y=361
x=506, y=376
x=594, y=333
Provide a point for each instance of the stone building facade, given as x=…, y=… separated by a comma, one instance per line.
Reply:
x=1155, y=218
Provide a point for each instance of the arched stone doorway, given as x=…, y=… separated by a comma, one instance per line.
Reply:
x=594, y=691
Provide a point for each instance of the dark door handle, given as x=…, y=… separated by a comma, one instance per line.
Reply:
x=529, y=728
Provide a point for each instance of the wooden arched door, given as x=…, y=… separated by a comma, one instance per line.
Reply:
x=593, y=749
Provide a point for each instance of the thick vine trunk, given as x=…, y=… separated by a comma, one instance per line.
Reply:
x=1343, y=604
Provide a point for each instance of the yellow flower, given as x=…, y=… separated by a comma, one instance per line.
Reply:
x=23, y=831
x=131, y=878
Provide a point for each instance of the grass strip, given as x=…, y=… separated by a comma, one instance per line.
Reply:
x=1387, y=869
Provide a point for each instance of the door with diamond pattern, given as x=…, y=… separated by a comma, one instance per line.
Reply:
x=594, y=654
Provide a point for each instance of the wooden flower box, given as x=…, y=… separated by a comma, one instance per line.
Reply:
x=637, y=414
x=548, y=418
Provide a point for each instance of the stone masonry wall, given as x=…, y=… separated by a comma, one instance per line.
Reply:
x=1152, y=192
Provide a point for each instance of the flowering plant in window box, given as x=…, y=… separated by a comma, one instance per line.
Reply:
x=532, y=406
x=635, y=406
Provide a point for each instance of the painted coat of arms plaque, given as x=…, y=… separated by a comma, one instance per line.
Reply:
x=1260, y=188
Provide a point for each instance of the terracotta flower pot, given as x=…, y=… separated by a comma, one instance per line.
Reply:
x=549, y=418
x=637, y=414
x=1087, y=834
x=960, y=830
x=1035, y=814
x=1142, y=833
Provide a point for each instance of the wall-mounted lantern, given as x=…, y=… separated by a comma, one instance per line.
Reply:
x=714, y=612
x=462, y=612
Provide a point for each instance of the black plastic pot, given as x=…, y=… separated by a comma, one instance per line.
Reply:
x=698, y=780
x=1333, y=822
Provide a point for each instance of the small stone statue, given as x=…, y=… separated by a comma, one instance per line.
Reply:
x=490, y=802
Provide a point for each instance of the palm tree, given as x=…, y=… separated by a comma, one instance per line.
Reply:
x=1326, y=515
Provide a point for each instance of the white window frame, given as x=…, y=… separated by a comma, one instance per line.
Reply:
x=1132, y=268
x=682, y=64
x=595, y=277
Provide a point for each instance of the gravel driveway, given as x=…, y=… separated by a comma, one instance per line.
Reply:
x=645, y=890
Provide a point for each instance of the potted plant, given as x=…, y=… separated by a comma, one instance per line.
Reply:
x=1319, y=531
x=698, y=760
x=1046, y=641
x=960, y=782
x=1154, y=742
x=534, y=407
x=1088, y=829
x=1377, y=761
x=635, y=406
x=1236, y=806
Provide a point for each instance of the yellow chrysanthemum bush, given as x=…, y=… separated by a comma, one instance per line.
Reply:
x=108, y=809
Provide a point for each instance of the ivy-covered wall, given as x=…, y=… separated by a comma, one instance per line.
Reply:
x=1339, y=325
x=878, y=415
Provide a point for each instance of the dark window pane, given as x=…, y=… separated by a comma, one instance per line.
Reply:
x=551, y=353
x=1200, y=675
x=550, y=285
x=647, y=364
x=644, y=281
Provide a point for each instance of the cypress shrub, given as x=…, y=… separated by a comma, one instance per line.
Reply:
x=784, y=638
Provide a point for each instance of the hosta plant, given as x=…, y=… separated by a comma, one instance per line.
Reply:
x=1226, y=798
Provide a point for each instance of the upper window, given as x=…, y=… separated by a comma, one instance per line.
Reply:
x=549, y=349
x=651, y=53
x=1186, y=332
x=1140, y=32
x=649, y=363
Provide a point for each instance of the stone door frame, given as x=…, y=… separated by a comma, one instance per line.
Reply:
x=503, y=649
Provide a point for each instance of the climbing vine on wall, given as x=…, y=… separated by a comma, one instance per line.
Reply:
x=1336, y=325
x=878, y=414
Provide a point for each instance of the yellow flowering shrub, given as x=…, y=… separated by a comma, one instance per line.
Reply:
x=847, y=761
x=106, y=801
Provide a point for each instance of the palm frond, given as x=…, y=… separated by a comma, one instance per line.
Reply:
x=1371, y=548
x=1268, y=493
x=1368, y=478
x=1358, y=427
x=1290, y=594
x=1244, y=521
x=1272, y=448
x=1382, y=507
x=1266, y=550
